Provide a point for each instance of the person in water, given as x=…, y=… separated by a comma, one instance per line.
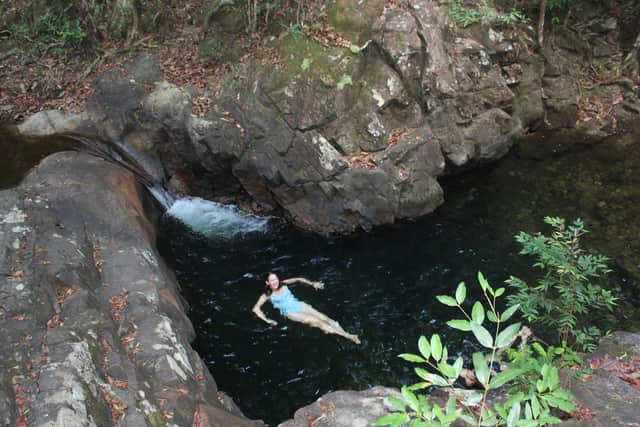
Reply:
x=294, y=309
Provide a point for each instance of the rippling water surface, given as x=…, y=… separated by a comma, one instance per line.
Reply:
x=381, y=285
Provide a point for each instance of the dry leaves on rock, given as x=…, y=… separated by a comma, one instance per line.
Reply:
x=55, y=321
x=117, y=383
x=116, y=406
x=117, y=304
x=63, y=294
x=97, y=258
x=627, y=370
x=361, y=161
x=18, y=275
x=395, y=135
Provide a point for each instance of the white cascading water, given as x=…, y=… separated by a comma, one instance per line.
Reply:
x=216, y=220
x=162, y=196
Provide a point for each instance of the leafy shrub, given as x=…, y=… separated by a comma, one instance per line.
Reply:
x=293, y=30
x=566, y=292
x=530, y=377
x=60, y=30
x=485, y=14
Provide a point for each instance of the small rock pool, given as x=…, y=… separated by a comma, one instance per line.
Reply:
x=382, y=285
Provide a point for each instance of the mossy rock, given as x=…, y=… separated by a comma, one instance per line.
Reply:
x=227, y=17
x=310, y=58
x=96, y=407
x=221, y=48
x=353, y=19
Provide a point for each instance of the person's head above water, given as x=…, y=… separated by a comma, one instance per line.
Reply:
x=273, y=283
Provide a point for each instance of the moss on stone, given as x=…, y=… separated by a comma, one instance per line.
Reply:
x=328, y=65
x=156, y=419
x=96, y=407
x=352, y=19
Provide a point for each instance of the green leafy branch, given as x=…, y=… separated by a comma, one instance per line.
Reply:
x=567, y=291
x=531, y=406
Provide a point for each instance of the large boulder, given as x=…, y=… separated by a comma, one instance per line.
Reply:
x=345, y=409
x=94, y=327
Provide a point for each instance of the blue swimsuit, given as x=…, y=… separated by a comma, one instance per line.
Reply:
x=285, y=301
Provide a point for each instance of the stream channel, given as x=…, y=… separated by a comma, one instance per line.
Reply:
x=382, y=285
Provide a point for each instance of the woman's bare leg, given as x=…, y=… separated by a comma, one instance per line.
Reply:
x=313, y=317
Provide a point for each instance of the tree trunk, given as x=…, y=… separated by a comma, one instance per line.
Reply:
x=541, y=18
x=135, y=24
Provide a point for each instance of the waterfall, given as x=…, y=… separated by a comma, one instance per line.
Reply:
x=215, y=219
x=211, y=219
x=162, y=196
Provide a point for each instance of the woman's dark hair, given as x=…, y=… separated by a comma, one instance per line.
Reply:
x=268, y=291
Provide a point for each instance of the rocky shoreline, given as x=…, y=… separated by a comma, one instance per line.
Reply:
x=96, y=332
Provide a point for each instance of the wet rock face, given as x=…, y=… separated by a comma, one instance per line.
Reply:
x=94, y=329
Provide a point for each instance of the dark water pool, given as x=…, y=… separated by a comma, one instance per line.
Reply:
x=382, y=285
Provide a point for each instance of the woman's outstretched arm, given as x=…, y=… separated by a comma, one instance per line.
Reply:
x=316, y=285
x=257, y=309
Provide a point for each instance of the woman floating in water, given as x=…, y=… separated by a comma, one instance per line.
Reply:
x=290, y=307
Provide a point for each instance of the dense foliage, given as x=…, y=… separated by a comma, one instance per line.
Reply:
x=527, y=374
x=568, y=289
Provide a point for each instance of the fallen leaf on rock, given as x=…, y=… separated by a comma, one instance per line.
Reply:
x=395, y=135
x=127, y=339
x=136, y=349
x=97, y=257
x=105, y=345
x=627, y=370
x=54, y=321
x=117, y=304
x=329, y=408
x=22, y=421
x=360, y=161
x=117, y=383
x=313, y=419
x=116, y=406
x=64, y=293
x=18, y=275
x=582, y=413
